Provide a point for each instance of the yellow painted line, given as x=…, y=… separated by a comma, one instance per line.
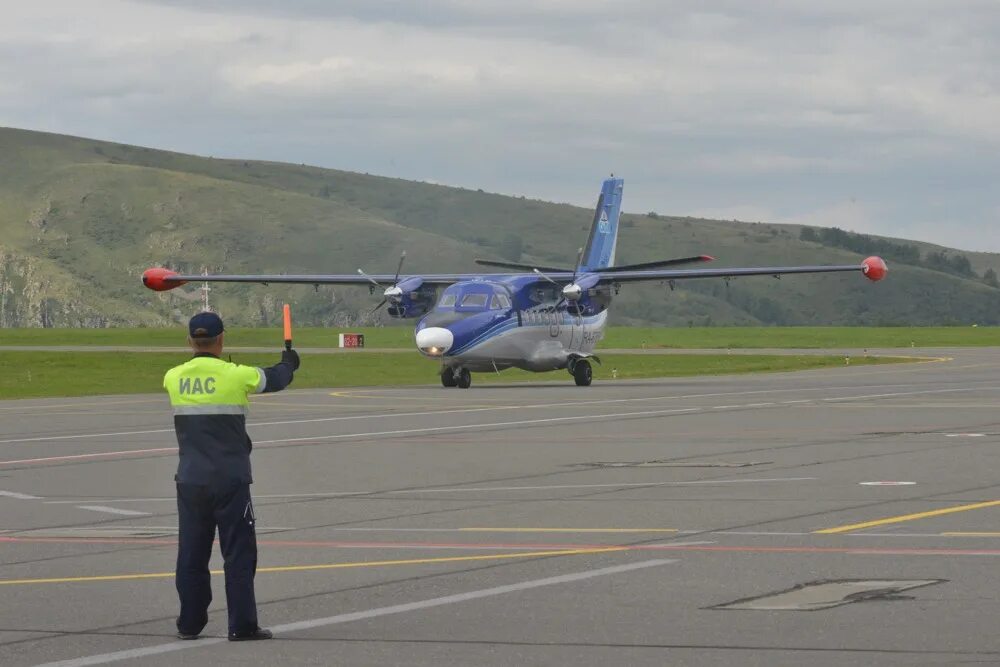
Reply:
x=569, y=530
x=971, y=534
x=911, y=406
x=907, y=517
x=324, y=566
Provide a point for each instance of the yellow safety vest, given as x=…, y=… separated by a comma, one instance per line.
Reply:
x=209, y=399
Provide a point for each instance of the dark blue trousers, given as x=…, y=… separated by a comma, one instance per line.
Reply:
x=200, y=509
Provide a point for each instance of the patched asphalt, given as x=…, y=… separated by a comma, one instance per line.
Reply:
x=532, y=524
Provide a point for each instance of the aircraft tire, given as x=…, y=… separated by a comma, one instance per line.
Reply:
x=464, y=379
x=583, y=373
x=448, y=378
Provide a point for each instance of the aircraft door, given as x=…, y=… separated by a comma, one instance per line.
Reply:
x=576, y=329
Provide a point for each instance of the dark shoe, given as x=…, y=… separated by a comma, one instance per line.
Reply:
x=256, y=635
x=187, y=635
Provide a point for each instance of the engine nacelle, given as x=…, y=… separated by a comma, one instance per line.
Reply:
x=414, y=303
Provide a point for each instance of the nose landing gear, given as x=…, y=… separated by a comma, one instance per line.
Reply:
x=456, y=377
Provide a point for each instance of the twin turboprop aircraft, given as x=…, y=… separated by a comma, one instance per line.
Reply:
x=539, y=319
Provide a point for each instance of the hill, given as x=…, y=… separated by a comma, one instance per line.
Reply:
x=80, y=219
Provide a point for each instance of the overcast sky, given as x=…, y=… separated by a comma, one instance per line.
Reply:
x=880, y=116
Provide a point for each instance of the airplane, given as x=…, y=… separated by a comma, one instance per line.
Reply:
x=537, y=318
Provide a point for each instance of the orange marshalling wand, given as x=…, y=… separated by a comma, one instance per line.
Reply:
x=288, y=326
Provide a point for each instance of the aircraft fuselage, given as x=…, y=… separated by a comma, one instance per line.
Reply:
x=511, y=322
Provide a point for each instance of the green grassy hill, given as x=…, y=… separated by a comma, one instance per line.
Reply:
x=80, y=219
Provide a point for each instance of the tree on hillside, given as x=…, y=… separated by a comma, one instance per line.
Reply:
x=990, y=278
x=955, y=264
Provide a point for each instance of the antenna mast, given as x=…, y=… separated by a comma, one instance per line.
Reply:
x=205, y=289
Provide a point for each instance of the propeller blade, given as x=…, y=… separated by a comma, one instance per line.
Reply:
x=368, y=278
x=545, y=276
x=399, y=268
x=576, y=267
x=375, y=309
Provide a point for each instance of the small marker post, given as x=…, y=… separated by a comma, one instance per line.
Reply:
x=287, y=317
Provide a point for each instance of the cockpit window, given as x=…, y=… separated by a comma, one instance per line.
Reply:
x=447, y=300
x=474, y=300
x=500, y=302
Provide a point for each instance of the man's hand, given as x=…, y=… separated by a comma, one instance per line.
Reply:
x=291, y=357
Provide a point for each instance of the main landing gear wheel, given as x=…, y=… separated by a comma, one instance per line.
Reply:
x=448, y=377
x=583, y=373
x=464, y=379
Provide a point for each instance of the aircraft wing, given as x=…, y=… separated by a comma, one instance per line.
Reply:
x=160, y=280
x=874, y=268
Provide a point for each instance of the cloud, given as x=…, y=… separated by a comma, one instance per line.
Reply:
x=781, y=108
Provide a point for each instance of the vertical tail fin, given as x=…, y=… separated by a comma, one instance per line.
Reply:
x=600, y=250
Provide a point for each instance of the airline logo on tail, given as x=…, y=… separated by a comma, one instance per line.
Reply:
x=604, y=226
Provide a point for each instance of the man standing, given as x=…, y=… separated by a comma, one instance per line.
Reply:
x=209, y=398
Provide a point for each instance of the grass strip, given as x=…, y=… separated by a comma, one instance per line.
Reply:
x=616, y=338
x=63, y=374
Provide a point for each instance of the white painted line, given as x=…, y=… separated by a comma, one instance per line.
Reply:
x=78, y=436
x=465, y=427
x=455, y=489
x=112, y=510
x=329, y=419
x=533, y=406
x=886, y=483
x=310, y=624
x=19, y=496
x=907, y=393
x=964, y=435
x=804, y=400
x=163, y=499
x=341, y=436
x=600, y=486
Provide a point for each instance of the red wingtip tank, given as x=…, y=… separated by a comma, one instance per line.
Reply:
x=874, y=268
x=160, y=280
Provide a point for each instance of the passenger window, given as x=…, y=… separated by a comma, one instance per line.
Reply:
x=474, y=300
x=447, y=301
x=500, y=302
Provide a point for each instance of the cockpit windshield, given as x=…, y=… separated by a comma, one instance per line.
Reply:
x=469, y=299
x=474, y=300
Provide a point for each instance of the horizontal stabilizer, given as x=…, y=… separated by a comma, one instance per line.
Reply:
x=520, y=267
x=656, y=265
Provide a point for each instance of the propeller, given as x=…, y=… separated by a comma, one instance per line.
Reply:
x=573, y=290
x=393, y=293
x=577, y=285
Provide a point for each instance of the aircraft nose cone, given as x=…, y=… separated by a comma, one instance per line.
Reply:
x=434, y=341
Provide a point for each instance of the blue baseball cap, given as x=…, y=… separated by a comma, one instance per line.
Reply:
x=205, y=325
